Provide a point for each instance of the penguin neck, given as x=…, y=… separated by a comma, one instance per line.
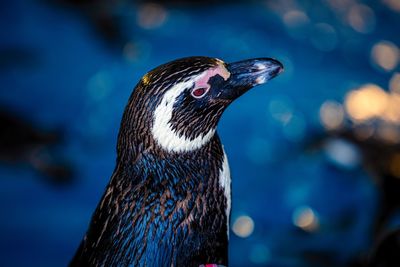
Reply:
x=189, y=194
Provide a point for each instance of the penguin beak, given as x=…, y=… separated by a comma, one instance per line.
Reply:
x=247, y=74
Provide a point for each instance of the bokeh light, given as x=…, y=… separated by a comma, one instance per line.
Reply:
x=365, y=103
x=243, y=226
x=280, y=108
x=393, y=4
x=151, y=15
x=372, y=102
x=296, y=22
x=392, y=110
x=305, y=218
x=331, y=115
x=385, y=55
x=342, y=153
x=361, y=18
x=394, y=84
x=295, y=18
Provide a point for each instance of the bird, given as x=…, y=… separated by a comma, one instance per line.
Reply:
x=168, y=201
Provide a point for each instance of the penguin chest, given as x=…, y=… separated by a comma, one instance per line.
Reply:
x=188, y=232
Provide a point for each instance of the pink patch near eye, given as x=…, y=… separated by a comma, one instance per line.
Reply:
x=199, y=92
x=202, y=82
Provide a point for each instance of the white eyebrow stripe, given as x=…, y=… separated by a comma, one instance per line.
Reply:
x=162, y=130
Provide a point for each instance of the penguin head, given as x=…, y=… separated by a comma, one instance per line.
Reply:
x=184, y=99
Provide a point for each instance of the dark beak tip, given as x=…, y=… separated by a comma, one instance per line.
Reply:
x=277, y=69
x=273, y=68
x=280, y=69
x=278, y=65
x=252, y=72
x=249, y=73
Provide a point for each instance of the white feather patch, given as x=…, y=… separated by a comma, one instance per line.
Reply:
x=162, y=130
x=225, y=183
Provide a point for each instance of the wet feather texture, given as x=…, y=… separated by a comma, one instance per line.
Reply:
x=168, y=200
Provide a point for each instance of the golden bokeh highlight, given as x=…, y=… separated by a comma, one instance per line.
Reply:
x=294, y=18
x=243, y=226
x=393, y=4
x=375, y=112
x=305, y=218
x=392, y=110
x=361, y=18
x=385, y=54
x=371, y=101
x=331, y=115
x=151, y=15
x=394, y=83
x=368, y=102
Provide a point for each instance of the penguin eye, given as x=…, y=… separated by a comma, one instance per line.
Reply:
x=199, y=92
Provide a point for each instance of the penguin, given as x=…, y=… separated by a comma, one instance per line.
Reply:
x=169, y=198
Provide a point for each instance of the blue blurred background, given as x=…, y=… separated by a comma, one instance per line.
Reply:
x=314, y=154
